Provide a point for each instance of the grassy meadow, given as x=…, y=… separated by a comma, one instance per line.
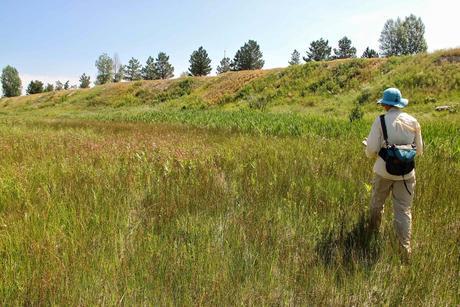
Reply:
x=248, y=188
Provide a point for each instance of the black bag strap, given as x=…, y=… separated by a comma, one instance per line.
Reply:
x=384, y=128
x=405, y=185
x=385, y=136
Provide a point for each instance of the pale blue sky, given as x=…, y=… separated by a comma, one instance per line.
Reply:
x=55, y=39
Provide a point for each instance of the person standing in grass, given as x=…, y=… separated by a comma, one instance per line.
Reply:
x=401, y=129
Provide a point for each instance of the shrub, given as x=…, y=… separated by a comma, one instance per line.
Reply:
x=430, y=99
x=179, y=89
x=186, y=86
x=225, y=99
x=258, y=103
x=364, y=96
x=356, y=113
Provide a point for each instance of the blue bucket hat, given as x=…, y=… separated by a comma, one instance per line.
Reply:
x=392, y=97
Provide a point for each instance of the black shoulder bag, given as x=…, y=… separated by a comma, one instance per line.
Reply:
x=399, y=159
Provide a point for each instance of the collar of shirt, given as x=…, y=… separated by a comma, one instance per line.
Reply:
x=394, y=110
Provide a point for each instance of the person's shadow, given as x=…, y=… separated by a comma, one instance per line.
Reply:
x=358, y=246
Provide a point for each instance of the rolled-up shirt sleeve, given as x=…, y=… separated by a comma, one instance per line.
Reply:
x=374, y=140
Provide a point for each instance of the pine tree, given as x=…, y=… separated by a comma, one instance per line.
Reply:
x=200, y=63
x=133, y=71
x=104, y=65
x=11, y=83
x=148, y=71
x=163, y=69
x=370, y=53
x=345, y=50
x=67, y=85
x=34, y=87
x=319, y=50
x=224, y=65
x=85, y=81
x=295, y=58
x=248, y=57
x=48, y=88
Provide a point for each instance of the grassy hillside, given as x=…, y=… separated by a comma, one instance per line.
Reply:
x=331, y=88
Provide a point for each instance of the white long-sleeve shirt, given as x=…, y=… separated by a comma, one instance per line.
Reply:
x=402, y=129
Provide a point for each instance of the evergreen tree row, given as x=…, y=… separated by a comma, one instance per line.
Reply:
x=248, y=57
x=398, y=37
x=111, y=70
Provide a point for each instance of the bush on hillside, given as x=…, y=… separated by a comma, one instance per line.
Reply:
x=364, y=96
x=179, y=89
x=356, y=113
x=257, y=103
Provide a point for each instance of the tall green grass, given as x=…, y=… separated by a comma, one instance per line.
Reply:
x=133, y=213
x=252, y=122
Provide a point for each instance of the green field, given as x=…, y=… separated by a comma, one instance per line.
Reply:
x=248, y=188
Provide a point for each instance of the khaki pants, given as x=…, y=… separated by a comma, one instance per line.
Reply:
x=402, y=202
